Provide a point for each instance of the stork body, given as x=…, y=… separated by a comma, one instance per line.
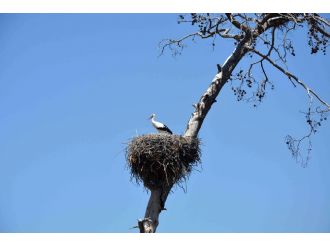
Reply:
x=160, y=127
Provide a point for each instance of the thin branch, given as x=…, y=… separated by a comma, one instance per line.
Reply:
x=272, y=44
x=320, y=19
x=322, y=31
x=264, y=72
x=268, y=53
x=170, y=42
x=295, y=78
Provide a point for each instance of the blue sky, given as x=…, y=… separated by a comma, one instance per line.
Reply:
x=75, y=88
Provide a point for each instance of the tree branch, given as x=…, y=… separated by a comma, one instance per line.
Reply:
x=236, y=23
x=170, y=42
x=295, y=78
x=322, y=31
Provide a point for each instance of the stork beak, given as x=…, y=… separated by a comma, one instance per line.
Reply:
x=149, y=117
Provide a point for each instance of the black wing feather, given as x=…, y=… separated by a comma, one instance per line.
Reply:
x=165, y=128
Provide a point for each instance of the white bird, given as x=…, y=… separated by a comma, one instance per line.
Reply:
x=162, y=128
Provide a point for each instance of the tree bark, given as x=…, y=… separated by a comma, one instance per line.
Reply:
x=209, y=97
x=158, y=197
x=155, y=206
x=150, y=222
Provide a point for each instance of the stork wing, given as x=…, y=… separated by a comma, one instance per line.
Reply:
x=165, y=128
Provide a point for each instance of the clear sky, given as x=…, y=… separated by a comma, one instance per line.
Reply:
x=75, y=88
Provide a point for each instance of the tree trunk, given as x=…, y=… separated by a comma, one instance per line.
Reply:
x=220, y=79
x=155, y=206
x=158, y=197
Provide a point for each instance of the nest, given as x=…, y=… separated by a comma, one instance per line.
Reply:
x=161, y=160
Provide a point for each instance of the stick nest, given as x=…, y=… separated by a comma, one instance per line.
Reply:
x=161, y=160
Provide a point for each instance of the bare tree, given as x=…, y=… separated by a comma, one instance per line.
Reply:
x=264, y=38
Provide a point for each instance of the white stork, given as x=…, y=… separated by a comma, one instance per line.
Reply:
x=162, y=128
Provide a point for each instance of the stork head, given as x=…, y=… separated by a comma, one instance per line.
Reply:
x=152, y=116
